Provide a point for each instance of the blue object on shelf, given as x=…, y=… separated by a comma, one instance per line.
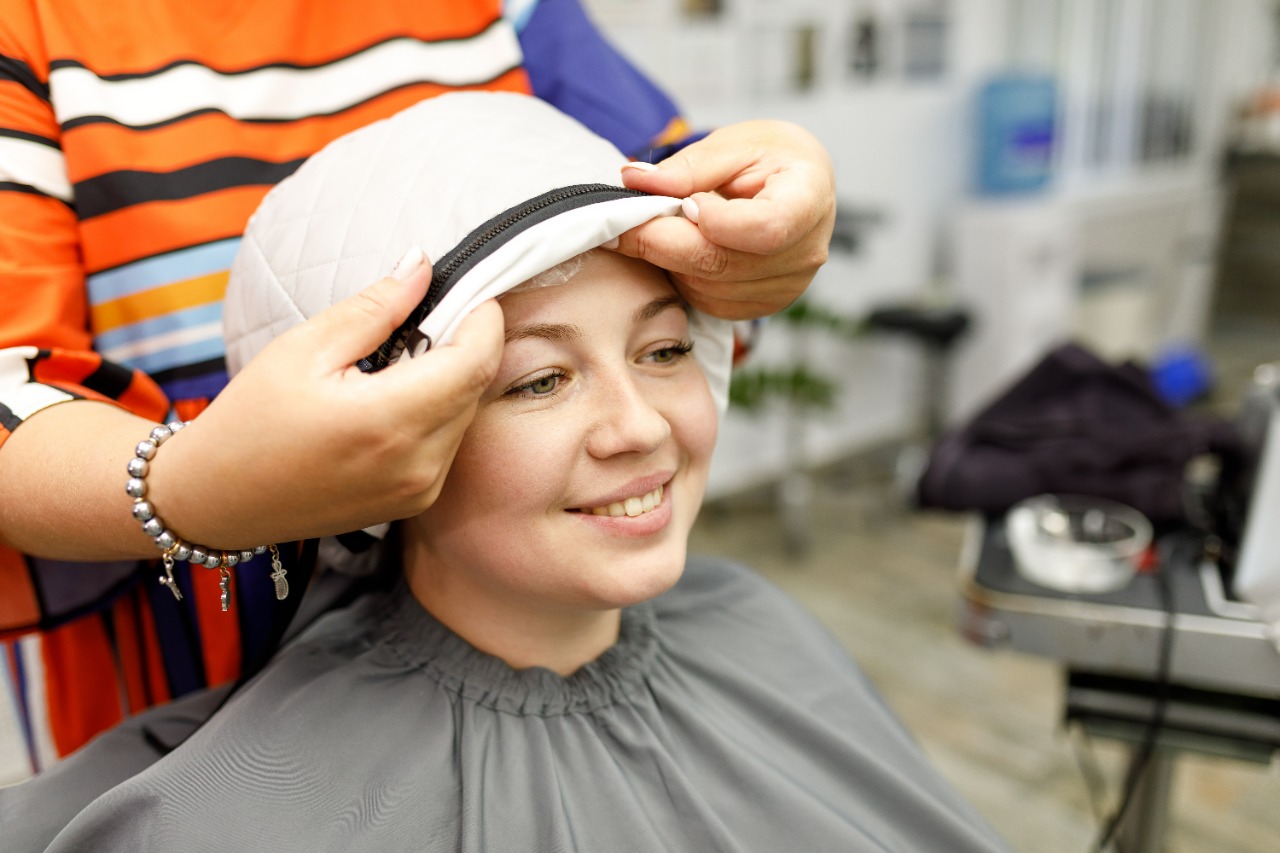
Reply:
x=1016, y=118
x=1181, y=375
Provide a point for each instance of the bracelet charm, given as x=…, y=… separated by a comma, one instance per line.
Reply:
x=172, y=546
x=167, y=578
x=278, y=575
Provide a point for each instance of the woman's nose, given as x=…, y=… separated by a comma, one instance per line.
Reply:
x=627, y=422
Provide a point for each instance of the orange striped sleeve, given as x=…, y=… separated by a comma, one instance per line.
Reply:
x=64, y=370
x=76, y=375
x=41, y=283
x=20, y=34
x=72, y=374
x=24, y=113
x=89, y=375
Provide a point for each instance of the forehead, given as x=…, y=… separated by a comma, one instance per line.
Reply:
x=606, y=280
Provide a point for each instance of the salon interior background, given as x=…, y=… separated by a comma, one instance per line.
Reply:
x=1117, y=251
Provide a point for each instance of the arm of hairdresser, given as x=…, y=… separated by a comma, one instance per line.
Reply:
x=265, y=461
x=299, y=444
x=762, y=193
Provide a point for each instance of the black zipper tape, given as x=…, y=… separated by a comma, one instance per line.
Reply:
x=482, y=242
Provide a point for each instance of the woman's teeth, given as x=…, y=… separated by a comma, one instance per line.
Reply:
x=631, y=506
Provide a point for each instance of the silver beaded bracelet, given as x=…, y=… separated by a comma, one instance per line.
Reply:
x=174, y=547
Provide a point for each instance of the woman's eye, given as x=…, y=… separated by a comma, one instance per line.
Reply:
x=540, y=386
x=543, y=385
x=668, y=354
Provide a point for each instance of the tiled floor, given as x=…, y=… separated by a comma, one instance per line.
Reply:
x=884, y=580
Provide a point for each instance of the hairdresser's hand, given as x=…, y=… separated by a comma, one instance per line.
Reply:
x=301, y=443
x=763, y=197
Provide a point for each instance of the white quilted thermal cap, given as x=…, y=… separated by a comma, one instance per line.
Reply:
x=428, y=177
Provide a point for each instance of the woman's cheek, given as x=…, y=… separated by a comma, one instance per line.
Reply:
x=699, y=418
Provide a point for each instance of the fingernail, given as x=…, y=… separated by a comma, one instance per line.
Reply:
x=641, y=165
x=407, y=265
x=611, y=243
x=690, y=208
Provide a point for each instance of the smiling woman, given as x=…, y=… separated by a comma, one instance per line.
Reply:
x=613, y=424
x=539, y=666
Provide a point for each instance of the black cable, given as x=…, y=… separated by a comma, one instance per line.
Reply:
x=1147, y=747
x=1094, y=782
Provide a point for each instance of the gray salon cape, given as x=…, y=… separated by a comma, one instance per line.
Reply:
x=724, y=719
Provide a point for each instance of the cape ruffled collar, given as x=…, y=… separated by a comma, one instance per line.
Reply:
x=419, y=641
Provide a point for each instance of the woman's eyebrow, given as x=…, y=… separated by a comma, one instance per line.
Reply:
x=568, y=331
x=548, y=331
x=656, y=307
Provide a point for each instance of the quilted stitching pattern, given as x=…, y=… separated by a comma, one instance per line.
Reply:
x=353, y=209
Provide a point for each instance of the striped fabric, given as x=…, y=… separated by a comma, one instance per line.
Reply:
x=136, y=138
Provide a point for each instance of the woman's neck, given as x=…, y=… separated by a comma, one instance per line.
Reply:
x=523, y=635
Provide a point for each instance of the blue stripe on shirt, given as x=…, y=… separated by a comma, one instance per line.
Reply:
x=163, y=269
x=197, y=316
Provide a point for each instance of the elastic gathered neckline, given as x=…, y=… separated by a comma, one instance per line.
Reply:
x=420, y=641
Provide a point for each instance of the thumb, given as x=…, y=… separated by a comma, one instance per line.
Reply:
x=350, y=329
x=702, y=166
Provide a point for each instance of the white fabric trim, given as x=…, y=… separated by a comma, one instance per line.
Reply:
x=379, y=531
x=284, y=93
x=37, y=701
x=14, y=372
x=32, y=397
x=17, y=392
x=15, y=763
x=159, y=343
x=537, y=249
x=36, y=165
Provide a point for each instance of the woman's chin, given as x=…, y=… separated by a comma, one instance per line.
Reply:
x=629, y=585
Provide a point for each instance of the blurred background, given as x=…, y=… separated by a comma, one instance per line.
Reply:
x=1012, y=174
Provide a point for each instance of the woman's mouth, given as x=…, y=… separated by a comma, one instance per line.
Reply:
x=630, y=507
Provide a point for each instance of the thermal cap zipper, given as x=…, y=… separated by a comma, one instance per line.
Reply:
x=479, y=244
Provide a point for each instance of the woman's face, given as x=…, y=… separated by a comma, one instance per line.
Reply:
x=580, y=477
